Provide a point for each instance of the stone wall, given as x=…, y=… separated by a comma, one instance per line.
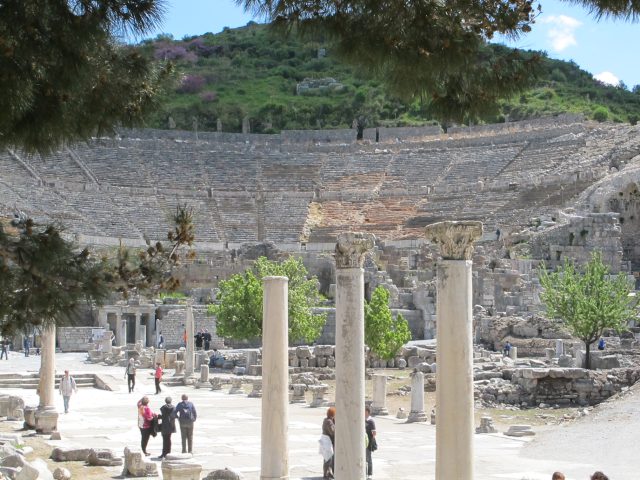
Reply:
x=75, y=339
x=171, y=322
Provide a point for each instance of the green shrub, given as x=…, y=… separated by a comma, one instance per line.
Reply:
x=600, y=114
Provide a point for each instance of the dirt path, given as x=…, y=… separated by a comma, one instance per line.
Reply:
x=605, y=440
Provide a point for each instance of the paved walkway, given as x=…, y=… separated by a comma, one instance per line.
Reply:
x=227, y=433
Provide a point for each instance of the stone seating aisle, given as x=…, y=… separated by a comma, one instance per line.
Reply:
x=476, y=163
x=55, y=167
x=285, y=216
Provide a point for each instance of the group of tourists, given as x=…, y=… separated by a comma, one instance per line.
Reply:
x=150, y=424
x=327, y=442
x=203, y=339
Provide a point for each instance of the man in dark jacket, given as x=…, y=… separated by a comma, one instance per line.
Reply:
x=168, y=426
x=186, y=414
x=199, y=338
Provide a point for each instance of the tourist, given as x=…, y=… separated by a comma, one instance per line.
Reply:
x=498, y=234
x=599, y=476
x=206, y=337
x=160, y=340
x=145, y=423
x=214, y=358
x=5, y=349
x=26, y=343
x=67, y=387
x=168, y=426
x=184, y=337
x=199, y=337
x=372, y=445
x=329, y=429
x=157, y=376
x=558, y=476
x=130, y=374
x=186, y=413
x=507, y=349
x=601, y=344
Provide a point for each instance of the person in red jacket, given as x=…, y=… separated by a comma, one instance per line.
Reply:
x=158, y=377
x=145, y=423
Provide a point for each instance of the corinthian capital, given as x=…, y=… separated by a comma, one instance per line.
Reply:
x=351, y=248
x=455, y=238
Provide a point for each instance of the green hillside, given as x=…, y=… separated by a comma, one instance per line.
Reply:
x=290, y=83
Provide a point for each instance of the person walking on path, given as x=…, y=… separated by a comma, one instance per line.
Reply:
x=67, y=388
x=167, y=426
x=145, y=423
x=130, y=374
x=186, y=414
x=329, y=429
x=157, y=376
x=26, y=343
x=370, y=428
x=5, y=349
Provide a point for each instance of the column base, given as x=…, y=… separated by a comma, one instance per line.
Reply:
x=263, y=477
x=46, y=420
x=415, y=417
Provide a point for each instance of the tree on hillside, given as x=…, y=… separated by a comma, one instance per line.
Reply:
x=64, y=76
x=384, y=334
x=432, y=49
x=588, y=302
x=239, y=308
x=44, y=276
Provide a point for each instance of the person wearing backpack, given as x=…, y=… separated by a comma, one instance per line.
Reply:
x=130, y=374
x=186, y=414
x=372, y=445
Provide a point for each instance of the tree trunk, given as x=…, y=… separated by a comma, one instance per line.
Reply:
x=587, y=363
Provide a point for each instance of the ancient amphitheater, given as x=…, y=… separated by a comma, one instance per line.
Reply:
x=557, y=187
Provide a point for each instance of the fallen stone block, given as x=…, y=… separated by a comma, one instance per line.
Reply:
x=13, y=439
x=181, y=467
x=70, y=454
x=28, y=472
x=13, y=461
x=103, y=458
x=135, y=464
x=520, y=431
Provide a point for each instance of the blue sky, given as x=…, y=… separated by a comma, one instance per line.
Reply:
x=605, y=48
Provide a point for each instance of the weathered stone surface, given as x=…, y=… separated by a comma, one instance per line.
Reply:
x=223, y=474
x=180, y=467
x=28, y=472
x=13, y=461
x=61, y=474
x=486, y=426
x=136, y=466
x=520, y=431
x=103, y=458
x=60, y=454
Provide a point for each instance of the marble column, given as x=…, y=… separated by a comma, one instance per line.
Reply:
x=379, y=405
x=188, y=354
x=46, y=417
x=350, y=251
x=454, y=375
x=274, y=462
x=120, y=330
x=559, y=347
x=417, y=413
x=138, y=335
x=106, y=342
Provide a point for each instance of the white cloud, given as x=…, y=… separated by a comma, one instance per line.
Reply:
x=561, y=31
x=608, y=78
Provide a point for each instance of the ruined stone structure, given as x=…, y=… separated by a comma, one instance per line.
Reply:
x=546, y=190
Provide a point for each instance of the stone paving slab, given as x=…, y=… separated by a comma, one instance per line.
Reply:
x=227, y=433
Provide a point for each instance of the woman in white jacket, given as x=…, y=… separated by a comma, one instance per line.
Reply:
x=67, y=387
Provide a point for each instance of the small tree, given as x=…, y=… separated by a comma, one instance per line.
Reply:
x=239, y=311
x=384, y=334
x=588, y=302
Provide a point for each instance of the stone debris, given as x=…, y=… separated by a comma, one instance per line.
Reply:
x=60, y=454
x=223, y=474
x=180, y=467
x=99, y=457
x=61, y=474
x=520, y=431
x=486, y=425
x=135, y=464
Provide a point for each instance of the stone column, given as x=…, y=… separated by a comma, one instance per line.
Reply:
x=106, y=342
x=102, y=319
x=138, y=336
x=559, y=347
x=188, y=355
x=379, y=405
x=417, y=413
x=454, y=375
x=274, y=462
x=350, y=250
x=46, y=417
x=121, y=332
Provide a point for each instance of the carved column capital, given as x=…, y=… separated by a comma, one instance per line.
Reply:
x=455, y=238
x=351, y=248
